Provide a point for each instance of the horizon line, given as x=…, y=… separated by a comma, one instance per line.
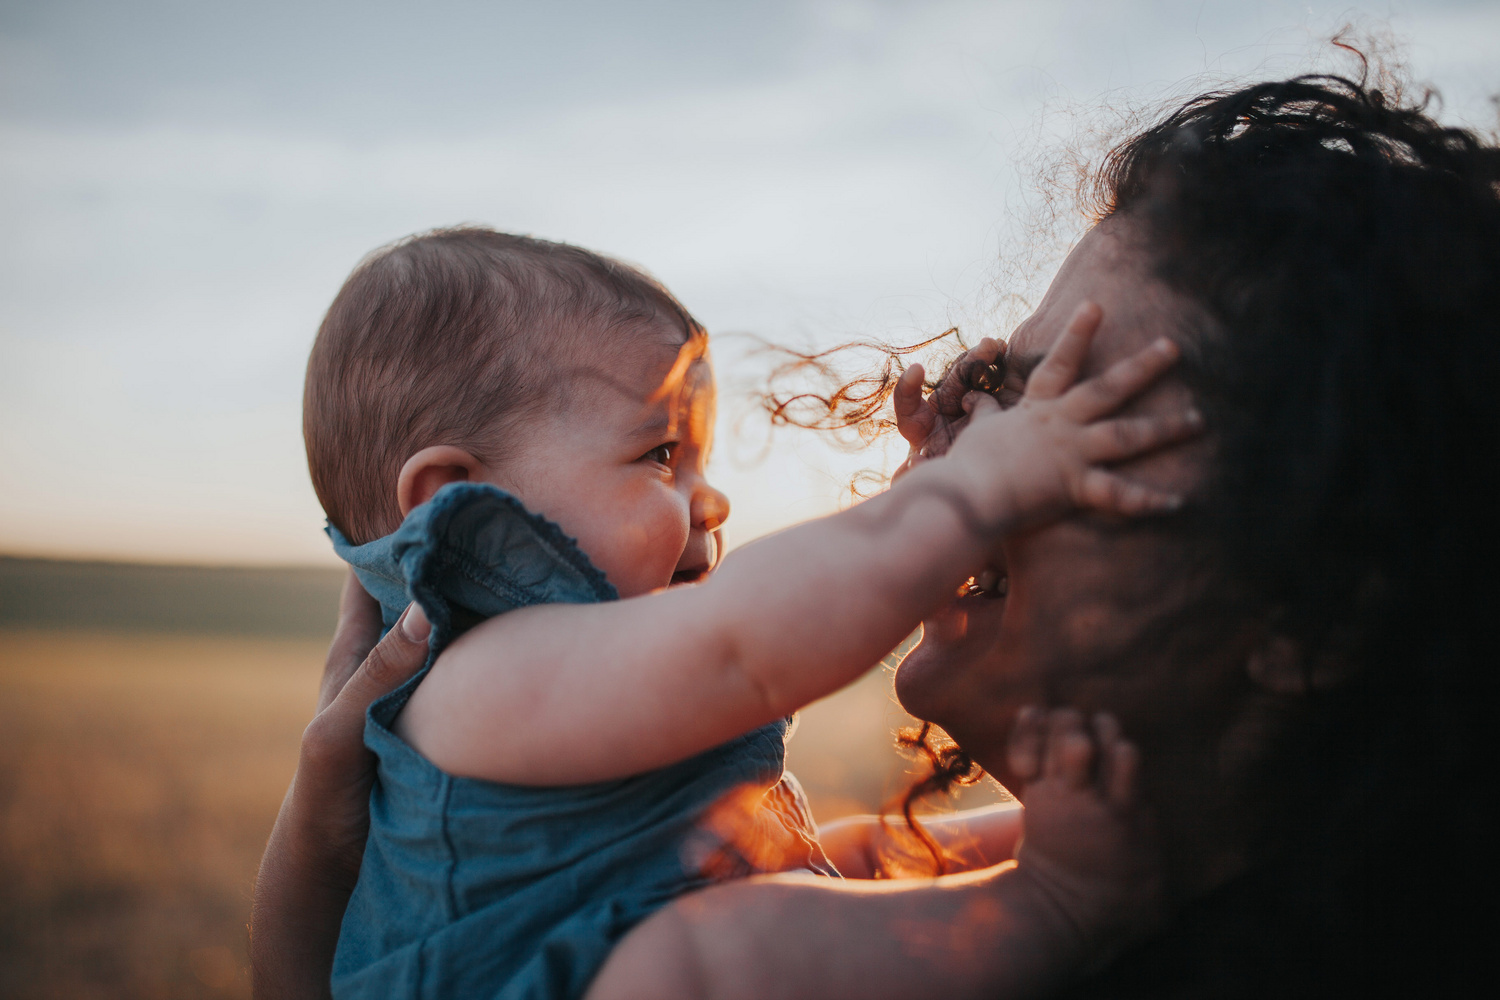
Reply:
x=78, y=559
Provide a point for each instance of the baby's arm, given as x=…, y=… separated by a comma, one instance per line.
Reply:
x=1084, y=886
x=562, y=694
x=861, y=846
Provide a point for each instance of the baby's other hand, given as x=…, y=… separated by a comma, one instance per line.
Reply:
x=930, y=423
x=1047, y=454
x=1088, y=842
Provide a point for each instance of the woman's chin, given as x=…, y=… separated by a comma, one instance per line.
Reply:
x=930, y=676
x=914, y=676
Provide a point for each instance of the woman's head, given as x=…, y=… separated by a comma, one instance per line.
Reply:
x=1343, y=252
x=1090, y=602
x=1320, y=625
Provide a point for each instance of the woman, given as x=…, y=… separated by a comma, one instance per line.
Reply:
x=1304, y=654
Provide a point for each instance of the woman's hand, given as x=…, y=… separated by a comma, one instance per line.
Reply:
x=312, y=859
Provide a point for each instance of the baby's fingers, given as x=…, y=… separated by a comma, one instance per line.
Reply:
x=1069, y=753
x=1024, y=754
x=1129, y=437
x=1059, y=369
x=1124, y=766
x=913, y=419
x=978, y=404
x=1122, y=381
x=1114, y=494
x=1119, y=762
x=960, y=379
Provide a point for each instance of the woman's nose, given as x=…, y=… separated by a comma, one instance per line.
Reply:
x=710, y=508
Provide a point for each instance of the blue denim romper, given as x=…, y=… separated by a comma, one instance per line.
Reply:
x=472, y=889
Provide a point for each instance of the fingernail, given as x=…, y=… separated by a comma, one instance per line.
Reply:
x=414, y=624
x=1174, y=503
x=1165, y=345
x=1194, y=417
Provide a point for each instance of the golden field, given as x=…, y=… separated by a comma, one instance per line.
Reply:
x=140, y=773
x=139, y=776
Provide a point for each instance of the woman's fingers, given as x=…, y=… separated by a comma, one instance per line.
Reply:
x=1129, y=437
x=390, y=664
x=1122, y=381
x=333, y=750
x=1114, y=494
x=357, y=632
x=1059, y=369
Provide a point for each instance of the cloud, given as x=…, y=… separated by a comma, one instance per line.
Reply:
x=184, y=187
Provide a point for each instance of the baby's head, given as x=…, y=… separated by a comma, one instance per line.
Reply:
x=573, y=381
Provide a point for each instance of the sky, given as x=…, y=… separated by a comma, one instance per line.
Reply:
x=184, y=186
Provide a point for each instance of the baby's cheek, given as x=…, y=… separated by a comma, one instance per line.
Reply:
x=643, y=554
x=669, y=535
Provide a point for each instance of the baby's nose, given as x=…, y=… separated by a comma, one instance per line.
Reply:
x=710, y=508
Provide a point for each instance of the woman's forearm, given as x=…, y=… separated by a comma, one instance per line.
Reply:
x=312, y=858
x=993, y=934
x=297, y=910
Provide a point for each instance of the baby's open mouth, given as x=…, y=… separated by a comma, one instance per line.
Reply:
x=990, y=583
x=688, y=576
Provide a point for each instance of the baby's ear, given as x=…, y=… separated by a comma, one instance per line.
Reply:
x=429, y=470
x=1280, y=665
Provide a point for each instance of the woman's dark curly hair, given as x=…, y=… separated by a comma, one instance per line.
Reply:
x=1345, y=247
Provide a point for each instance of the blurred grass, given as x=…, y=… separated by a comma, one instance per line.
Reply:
x=145, y=752
x=139, y=777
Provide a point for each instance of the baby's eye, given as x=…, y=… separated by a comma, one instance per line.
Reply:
x=662, y=453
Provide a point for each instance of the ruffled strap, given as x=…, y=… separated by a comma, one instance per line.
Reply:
x=472, y=552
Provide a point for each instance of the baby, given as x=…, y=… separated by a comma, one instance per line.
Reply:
x=514, y=434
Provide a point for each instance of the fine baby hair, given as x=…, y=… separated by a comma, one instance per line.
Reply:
x=448, y=337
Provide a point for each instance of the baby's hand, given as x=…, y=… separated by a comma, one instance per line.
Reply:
x=1044, y=456
x=931, y=423
x=1087, y=843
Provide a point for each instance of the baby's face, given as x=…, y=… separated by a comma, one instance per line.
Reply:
x=619, y=462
